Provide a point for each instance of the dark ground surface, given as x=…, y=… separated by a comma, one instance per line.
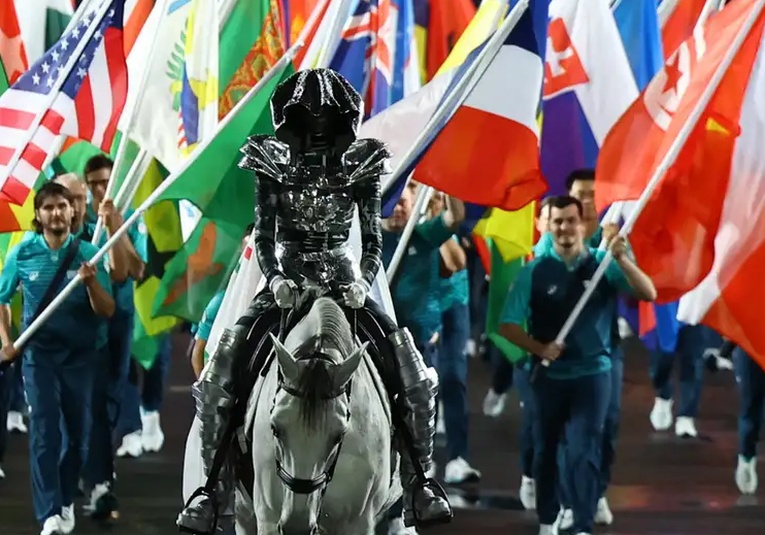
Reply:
x=662, y=485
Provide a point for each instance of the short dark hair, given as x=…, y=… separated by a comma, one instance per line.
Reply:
x=96, y=163
x=48, y=190
x=579, y=174
x=564, y=201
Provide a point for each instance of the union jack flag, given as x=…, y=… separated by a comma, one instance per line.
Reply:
x=77, y=88
x=367, y=51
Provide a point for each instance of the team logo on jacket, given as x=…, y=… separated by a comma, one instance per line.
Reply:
x=552, y=289
x=33, y=276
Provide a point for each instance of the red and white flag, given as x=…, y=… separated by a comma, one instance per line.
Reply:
x=77, y=88
x=678, y=18
x=701, y=235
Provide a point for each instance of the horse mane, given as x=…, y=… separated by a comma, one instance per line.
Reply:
x=330, y=330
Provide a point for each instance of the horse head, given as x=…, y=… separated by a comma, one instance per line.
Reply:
x=312, y=411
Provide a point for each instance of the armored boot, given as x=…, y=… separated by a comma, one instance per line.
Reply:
x=425, y=502
x=214, y=394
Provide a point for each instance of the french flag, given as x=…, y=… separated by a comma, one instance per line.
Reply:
x=488, y=153
x=588, y=85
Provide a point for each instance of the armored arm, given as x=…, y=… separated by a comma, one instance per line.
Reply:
x=367, y=161
x=267, y=157
x=266, y=192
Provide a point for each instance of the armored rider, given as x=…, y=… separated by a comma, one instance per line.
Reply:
x=310, y=178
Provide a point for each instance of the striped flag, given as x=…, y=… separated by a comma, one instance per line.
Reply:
x=58, y=96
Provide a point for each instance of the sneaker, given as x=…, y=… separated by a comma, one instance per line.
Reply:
x=132, y=445
x=397, y=527
x=565, y=519
x=548, y=529
x=458, y=471
x=528, y=493
x=661, y=414
x=152, y=437
x=493, y=403
x=603, y=515
x=52, y=526
x=103, y=504
x=67, y=519
x=2, y=473
x=685, y=427
x=746, y=475
x=15, y=423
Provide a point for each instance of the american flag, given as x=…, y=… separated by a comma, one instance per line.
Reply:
x=77, y=88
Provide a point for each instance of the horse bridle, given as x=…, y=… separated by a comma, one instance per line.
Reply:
x=309, y=486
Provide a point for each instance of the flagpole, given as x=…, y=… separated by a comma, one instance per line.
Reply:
x=274, y=71
x=462, y=89
x=56, y=88
x=420, y=207
x=663, y=167
x=122, y=147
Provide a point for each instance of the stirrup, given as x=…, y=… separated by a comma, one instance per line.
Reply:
x=438, y=491
x=202, y=492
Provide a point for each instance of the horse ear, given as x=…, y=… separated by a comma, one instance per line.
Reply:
x=287, y=363
x=345, y=370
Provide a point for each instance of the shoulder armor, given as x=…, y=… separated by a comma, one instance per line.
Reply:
x=365, y=159
x=265, y=155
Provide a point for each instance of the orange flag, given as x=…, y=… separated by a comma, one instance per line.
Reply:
x=12, y=52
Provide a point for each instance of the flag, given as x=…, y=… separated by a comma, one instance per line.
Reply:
x=689, y=198
x=312, y=32
x=244, y=61
x=199, y=81
x=136, y=14
x=713, y=247
x=588, y=86
x=12, y=216
x=502, y=106
x=638, y=24
x=438, y=27
x=677, y=19
x=299, y=12
x=648, y=128
x=161, y=239
x=225, y=196
x=502, y=276
x=400, y=125
x=154, y=113
x=367, y=51
x=42, y=23
x=406, y=70
x=12, y=52
x=87, y=62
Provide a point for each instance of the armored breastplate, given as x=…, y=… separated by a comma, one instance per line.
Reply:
x=315, y=201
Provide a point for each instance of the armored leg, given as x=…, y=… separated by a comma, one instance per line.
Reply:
x=214, y=397
x=215, y=394
x=425, y=502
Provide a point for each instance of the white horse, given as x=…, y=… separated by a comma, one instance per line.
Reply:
x=321, y=435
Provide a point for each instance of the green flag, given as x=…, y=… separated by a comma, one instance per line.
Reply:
x=501, y=279
x=225, y=195
x=3, y=78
